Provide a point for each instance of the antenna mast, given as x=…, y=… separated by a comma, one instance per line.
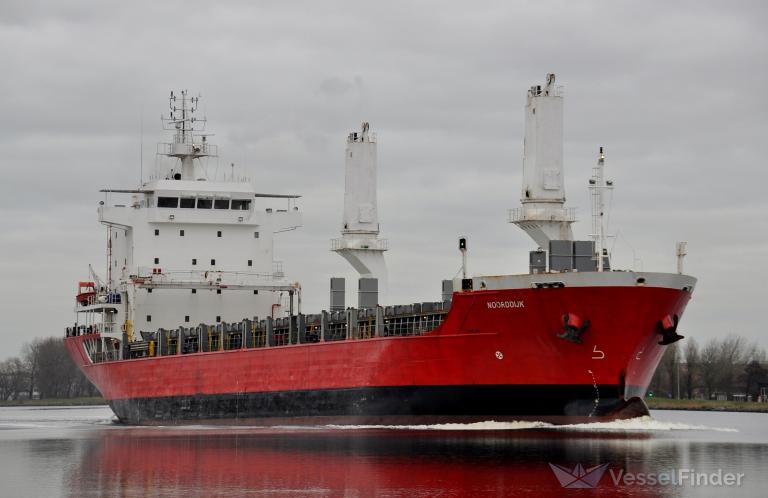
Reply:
x=597, y=187
x=187, y=145
x=141, y=147
x=681, y=253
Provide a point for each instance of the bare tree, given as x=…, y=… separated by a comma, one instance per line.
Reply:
x=5, y=380
x=709, y=360
x=670, y=365
x=31, y=356
x=664, y=379
x=58, y=376
x=14, y=378
x=733, y=355
x=47, y=369
x=692, y=365
x=55, y=379
x=754, y=374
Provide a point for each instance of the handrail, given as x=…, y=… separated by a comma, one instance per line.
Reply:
x=352, y=324
x=370, y=244
x=187, y=147
x=541, y=214
x=210, y=277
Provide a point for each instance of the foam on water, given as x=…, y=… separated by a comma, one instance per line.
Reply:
x=62, y=417
x=637, y=425
x=640, y=424
x=490, y=425
x=645, y=423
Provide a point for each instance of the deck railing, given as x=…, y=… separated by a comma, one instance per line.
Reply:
x=351, y=324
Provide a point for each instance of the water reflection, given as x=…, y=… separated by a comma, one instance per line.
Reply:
x=237, y=462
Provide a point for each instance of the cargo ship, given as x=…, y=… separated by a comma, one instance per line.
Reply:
x=195, y=322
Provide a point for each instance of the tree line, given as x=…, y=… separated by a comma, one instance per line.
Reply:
x=45, y=370
x=725, y=366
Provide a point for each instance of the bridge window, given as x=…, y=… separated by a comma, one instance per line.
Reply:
x=241, y=204
x=204, y=203
x=218, y=233
x=221, y=204
x=250, y=262
x=149, y=318
x=186, y=318
x=157, y=232
x=194, y=261
x=187, y=202
x=167, y=202
x=255, y=235
x=181, y=233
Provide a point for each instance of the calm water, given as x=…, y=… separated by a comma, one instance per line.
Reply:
x=78, y=452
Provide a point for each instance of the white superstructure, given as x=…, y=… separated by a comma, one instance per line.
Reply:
x=186, y=250
x=360, y=243
x=543, y=215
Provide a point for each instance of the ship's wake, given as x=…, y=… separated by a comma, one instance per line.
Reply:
x=645, y=423
x=639, y=424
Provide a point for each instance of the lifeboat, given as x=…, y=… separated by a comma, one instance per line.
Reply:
x=85, y=292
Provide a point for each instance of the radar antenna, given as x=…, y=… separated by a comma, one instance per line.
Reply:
x=188, y=143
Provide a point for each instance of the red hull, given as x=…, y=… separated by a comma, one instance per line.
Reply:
x=477, y=345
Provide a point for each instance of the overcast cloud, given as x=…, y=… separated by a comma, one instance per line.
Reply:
x=675, y=91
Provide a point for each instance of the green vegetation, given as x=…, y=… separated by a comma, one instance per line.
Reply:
x=705, y=405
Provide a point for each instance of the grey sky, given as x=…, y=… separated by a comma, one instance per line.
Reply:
x=676, y=92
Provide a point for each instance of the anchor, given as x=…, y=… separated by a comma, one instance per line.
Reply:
x=667, y=327
x=574, y=328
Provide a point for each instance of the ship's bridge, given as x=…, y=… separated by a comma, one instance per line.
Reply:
x=181, y=201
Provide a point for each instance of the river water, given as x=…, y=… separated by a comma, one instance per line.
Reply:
x=80, y=452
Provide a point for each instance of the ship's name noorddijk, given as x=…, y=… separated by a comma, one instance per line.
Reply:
x=505, y=304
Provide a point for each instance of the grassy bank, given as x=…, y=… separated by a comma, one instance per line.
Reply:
x=96, y=400
x=705, y=405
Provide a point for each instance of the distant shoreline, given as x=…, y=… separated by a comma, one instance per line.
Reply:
x=91, y=401
x=705, y=405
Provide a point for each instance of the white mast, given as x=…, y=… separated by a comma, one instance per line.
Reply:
x=543, y=215
x=187, y=145
x=597, y=187
x=681, y=253
x=359, y=243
